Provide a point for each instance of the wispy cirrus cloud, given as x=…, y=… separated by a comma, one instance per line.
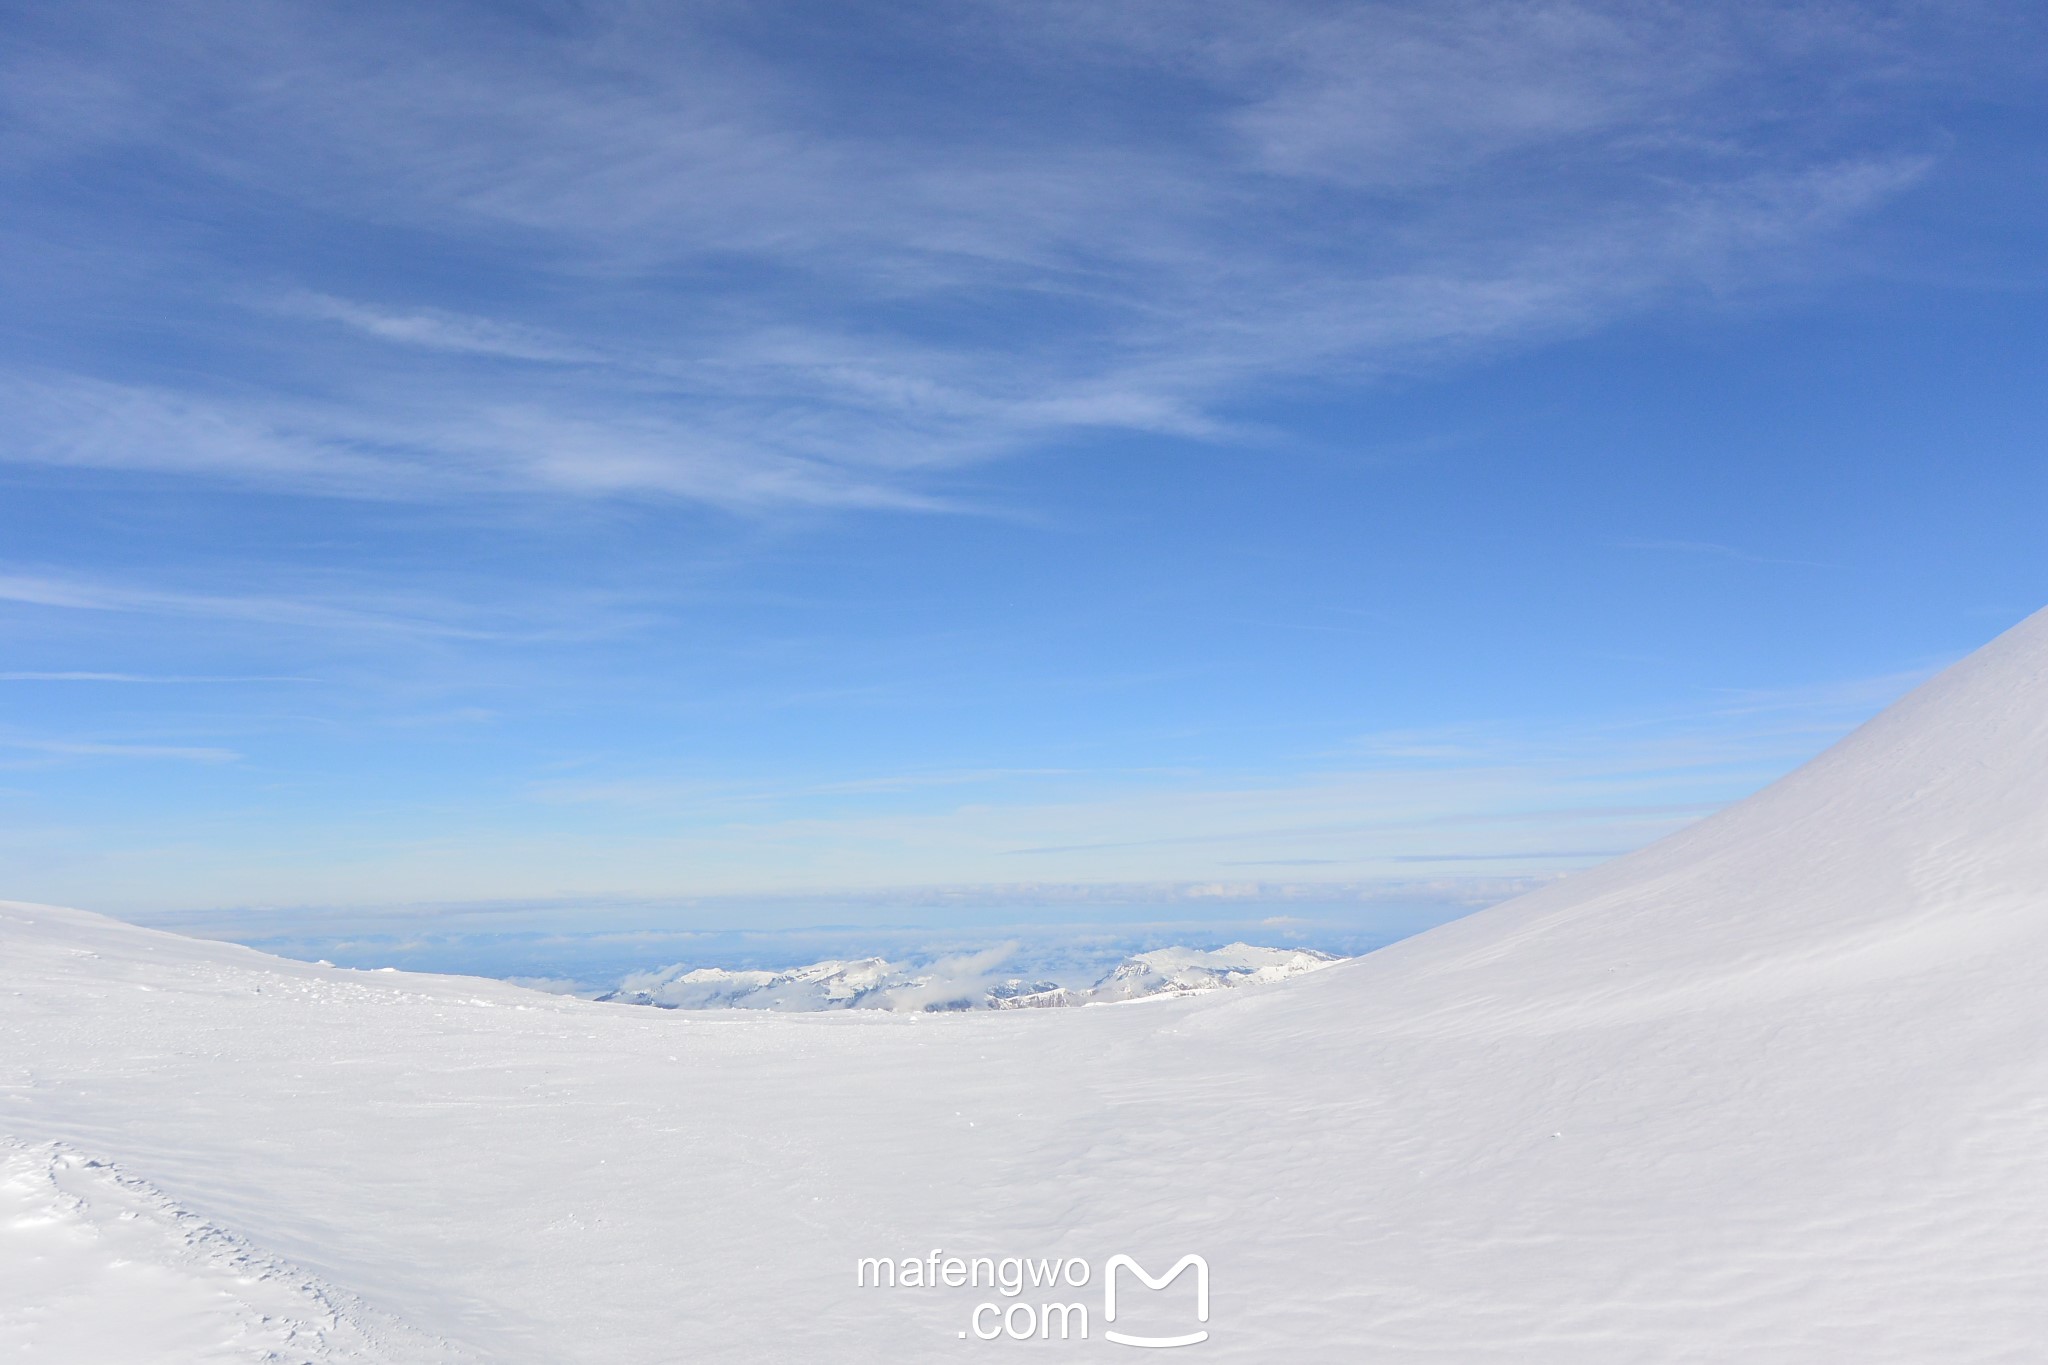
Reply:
x=150, y=679
x=733, y=277
x=1712, y=550
x=467, y=445
x=438, y=330
x=377, y=614
x=62, y=749
x=92, y=423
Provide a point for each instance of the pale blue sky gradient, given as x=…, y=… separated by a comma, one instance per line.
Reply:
x=778, y=464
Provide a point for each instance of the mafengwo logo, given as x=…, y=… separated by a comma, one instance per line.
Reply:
x=1049, y=1298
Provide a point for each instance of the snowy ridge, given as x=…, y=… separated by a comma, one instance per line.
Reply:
x=872, y=983
x=80, y=1237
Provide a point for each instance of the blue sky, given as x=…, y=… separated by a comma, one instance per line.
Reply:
x=747, y=466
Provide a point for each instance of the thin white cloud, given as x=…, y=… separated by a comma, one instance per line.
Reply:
x=389, y=615
x=675, y=794
x=454, y=441
x=152, y=679
x=438, y=330
x=1715, y=550
x=81, y=421
x=88, y=749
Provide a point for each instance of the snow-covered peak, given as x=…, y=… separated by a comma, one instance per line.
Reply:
x=1179, y=971
x=872, y=983
x=831, y=984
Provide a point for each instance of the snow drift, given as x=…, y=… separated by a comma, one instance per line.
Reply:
x=1771, y=1090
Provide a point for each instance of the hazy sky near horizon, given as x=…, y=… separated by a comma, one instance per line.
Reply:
x=1228, y=452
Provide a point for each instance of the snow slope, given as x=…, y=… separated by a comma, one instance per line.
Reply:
x=1775, y=1089
x=102, y=1267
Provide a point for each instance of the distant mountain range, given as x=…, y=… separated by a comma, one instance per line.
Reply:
x=873, y=983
